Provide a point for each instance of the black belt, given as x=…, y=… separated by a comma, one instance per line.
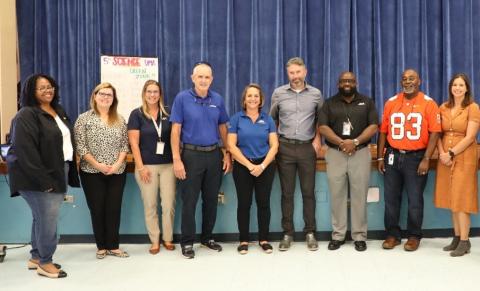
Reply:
x=406, y=152
x=200, y=148
x=294, y=141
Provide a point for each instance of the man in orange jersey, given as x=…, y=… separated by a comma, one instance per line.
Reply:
x=408, y=136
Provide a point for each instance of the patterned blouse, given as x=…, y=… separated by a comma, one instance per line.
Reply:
x=102, y=141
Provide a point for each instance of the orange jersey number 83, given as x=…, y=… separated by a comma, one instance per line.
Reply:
x=399, y=128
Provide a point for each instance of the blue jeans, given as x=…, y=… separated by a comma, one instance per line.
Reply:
x=45, y=208
x=403, y=174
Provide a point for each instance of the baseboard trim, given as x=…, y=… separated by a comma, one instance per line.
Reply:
x=274, y=236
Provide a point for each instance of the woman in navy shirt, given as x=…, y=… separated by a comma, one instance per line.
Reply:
x=253, y=143
x=149, y=137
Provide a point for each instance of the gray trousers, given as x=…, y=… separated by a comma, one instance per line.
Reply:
x=344, y=172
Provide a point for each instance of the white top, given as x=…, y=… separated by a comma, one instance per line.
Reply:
x=67, y=142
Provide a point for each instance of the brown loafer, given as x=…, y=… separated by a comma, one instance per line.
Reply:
x=390, y=243
x=169, y=246
x=154, y=251
x=411, y=244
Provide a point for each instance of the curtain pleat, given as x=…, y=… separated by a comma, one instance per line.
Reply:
x=250, y=41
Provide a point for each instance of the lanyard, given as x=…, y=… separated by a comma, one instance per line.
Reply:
x=158, y=128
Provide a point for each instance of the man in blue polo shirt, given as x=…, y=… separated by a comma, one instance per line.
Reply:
x=198, y=122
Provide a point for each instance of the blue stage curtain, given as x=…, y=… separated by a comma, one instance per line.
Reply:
x=250, y=41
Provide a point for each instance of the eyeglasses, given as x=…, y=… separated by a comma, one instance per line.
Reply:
x=45, y=89
x=105, y=95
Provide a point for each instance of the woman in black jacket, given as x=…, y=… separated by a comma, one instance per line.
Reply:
x=41, y=162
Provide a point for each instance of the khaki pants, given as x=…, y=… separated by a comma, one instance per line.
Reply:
x=162, y=178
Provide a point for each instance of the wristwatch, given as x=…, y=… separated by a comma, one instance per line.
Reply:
x=451, y=153
x=356, y=142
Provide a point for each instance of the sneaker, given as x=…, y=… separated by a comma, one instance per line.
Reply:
x=188, y=252
x=211, y=244
x=285, y=243
x=312, y=244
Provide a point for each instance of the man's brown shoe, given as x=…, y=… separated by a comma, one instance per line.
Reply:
x=390, y=243
x=411, y=244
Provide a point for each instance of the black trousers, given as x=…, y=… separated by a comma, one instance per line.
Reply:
x=293, y=158
x=204, y=173
x=104, y=199
x=245, y=184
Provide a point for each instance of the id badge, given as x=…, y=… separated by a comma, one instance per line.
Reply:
x=390, y=159
x=160, y=147
x=346, y=128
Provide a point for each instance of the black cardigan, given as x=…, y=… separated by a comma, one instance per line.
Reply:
x=35, y=159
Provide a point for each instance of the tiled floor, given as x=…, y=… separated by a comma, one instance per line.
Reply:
x=429, y=268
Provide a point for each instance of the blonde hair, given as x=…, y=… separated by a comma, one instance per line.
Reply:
x=113, y=116
x=160, y=100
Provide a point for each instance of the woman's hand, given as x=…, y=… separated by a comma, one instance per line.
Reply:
x=145, y=175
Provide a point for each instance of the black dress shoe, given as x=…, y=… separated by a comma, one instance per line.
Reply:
x=211, y=244
x=360, y=245
x=188, y=252
x=335, y=244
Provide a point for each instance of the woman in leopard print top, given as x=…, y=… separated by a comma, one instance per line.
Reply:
x=102, y=143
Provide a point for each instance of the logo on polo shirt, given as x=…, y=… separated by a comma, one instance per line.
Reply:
x=361, y=103
x=261, y=121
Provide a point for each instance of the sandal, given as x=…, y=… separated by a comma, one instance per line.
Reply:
x=266, y=247
x=243, y=249
x=118, y=254
x=101, y=254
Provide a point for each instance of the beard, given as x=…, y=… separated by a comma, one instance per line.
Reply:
x=347, y=93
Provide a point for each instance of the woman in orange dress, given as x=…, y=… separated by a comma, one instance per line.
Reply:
x=456, y=181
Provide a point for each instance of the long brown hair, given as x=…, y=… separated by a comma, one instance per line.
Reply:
x=160, y=100
x=468, y=99
x=113, y=116
x=262, y=96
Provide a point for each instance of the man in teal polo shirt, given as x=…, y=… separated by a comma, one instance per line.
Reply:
x=198, y=122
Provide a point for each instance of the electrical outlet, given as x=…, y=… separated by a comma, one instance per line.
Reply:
x=68, y=198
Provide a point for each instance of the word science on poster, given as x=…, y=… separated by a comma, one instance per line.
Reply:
x=128, y=74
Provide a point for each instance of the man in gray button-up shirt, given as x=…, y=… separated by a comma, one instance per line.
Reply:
x=295, y=108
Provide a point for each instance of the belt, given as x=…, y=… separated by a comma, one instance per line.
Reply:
x=294, y=141
x=406, y=152
x=200, y=148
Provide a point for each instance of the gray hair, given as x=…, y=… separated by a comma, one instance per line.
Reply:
x=295, y=61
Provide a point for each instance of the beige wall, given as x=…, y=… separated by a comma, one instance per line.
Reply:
x=8, y=65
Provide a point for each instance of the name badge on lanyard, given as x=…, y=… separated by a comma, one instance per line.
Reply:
x=160, y=143
x=347, y=127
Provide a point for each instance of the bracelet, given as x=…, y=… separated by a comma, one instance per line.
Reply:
x=380, y=159
x=263, y=166
x=451, y=153
x=426, y=158
x=141, y=169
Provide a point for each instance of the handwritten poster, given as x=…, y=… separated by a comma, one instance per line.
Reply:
x=127, y=75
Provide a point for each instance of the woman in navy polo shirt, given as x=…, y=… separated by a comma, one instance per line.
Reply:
x=149, y=137
x=253, y=143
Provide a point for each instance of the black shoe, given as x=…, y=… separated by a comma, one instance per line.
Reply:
x=211, y=244
x=335, y=244
x=360, y=245
x=188, y=252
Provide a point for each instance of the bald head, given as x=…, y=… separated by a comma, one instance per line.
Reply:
x=410, y=83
